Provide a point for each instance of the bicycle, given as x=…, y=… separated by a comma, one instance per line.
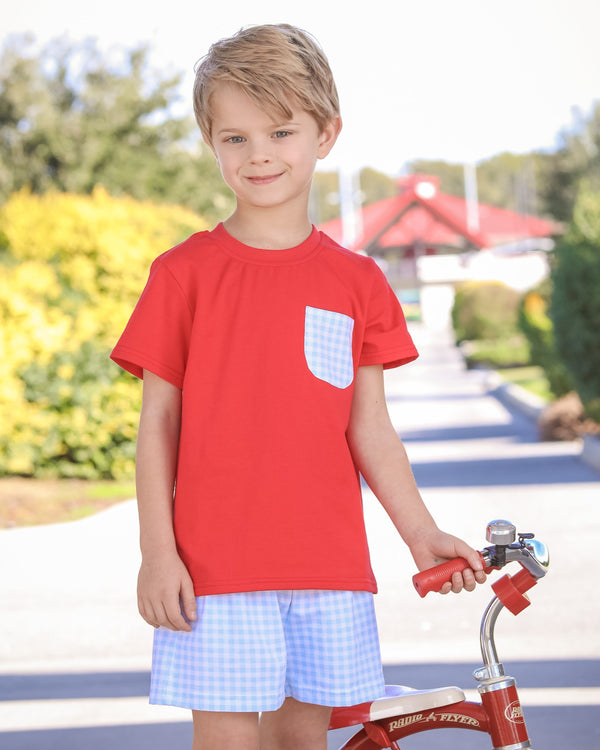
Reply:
x=405, y=711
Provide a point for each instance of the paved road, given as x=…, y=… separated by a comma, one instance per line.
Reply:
x=74, y=656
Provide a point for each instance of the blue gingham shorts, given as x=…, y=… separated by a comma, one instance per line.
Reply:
x=249, y=651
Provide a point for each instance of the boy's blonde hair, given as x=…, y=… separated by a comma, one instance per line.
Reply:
x=277, y=66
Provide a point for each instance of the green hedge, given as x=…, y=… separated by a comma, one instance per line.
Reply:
x=575, y=308
x=537, y=326
x=485, y=310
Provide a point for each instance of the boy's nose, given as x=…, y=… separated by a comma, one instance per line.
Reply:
x=260, y=153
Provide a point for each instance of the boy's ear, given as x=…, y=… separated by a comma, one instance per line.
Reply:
x=329, y=136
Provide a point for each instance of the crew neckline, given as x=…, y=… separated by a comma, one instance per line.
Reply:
x=238, y=249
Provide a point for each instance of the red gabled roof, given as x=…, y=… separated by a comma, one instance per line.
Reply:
x=421, y=214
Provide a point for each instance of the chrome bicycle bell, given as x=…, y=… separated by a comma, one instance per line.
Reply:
x=501, y=532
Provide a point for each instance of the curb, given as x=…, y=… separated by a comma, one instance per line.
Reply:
x=590, y=453
x=531, y=406
x=513, y=395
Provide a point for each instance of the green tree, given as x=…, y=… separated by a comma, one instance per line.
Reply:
x=575, y=307
x=372, y=185
x=376, y=186
x=72, y=119
x=577, y=158
x=510, y=181
x=451, y=176
x=325, y=197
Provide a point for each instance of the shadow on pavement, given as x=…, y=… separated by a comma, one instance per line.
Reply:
x=174, y=736
x=554, y=673
x=471, y=432
x=30, y=687
x=555, y=468
x=499, y=472
x=551, y=727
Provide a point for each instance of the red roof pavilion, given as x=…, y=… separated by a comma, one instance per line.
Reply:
x=420, y=216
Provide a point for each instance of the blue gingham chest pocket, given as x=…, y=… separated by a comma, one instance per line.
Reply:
x=328, y=346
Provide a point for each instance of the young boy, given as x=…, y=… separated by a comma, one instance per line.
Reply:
x=262, y=346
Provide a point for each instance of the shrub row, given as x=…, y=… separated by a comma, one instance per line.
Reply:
x=72, y=268
x=560, y=320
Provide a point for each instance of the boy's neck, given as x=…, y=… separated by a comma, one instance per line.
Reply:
x=268, y=230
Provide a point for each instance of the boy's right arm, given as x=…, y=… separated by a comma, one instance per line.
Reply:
x=164, y=584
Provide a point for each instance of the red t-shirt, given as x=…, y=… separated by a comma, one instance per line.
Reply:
x=265, y=345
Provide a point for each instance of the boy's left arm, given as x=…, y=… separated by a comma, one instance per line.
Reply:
x=381, y=458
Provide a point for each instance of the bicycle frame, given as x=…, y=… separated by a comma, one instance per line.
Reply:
x=499, y=714
x=463, y=715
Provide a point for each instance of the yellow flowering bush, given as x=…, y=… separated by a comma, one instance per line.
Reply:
x=71, y=270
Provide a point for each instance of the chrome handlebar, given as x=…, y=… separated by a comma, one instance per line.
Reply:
x=531, y=553
x=507, y=546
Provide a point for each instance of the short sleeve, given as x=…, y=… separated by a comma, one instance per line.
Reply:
x=386, y=338
x=157, y=335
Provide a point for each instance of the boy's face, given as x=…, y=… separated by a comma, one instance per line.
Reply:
x=265, y=162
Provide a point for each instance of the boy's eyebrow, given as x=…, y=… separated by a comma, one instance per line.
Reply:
x=274, y=125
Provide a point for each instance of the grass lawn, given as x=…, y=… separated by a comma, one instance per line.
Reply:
x=530, y=378
x=31, y=502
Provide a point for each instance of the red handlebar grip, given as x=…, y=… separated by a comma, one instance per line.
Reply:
x=434, y=578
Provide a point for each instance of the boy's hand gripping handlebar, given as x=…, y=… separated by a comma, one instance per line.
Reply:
x=530, y=552
x=434, y=578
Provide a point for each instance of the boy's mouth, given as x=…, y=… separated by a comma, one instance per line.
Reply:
x=266, y=179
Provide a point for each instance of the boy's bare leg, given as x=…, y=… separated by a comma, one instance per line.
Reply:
x=214, y=730
x=295, y=726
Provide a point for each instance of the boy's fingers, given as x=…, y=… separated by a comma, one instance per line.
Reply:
x=188, y=600
x=173, y=619
x=469, y=580
x=147, y=613
x=457, y=582
x=472, y=557
x=480, y=576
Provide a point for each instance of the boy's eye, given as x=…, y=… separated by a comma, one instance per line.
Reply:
x=282, y=133
x=235, y=139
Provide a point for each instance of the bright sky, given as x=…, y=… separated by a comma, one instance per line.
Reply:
x=459, y=80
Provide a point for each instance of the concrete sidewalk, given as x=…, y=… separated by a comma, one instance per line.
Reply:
x=476, y=460
x=67, y=592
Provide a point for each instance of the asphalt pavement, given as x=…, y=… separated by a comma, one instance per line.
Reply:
x=75, y=656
